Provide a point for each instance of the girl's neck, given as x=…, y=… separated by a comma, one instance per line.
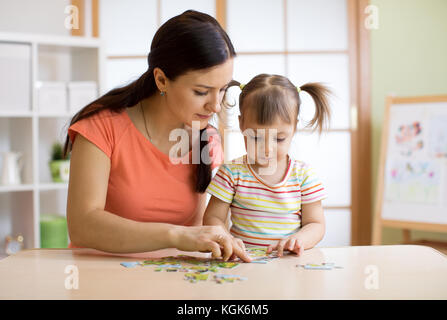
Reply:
x=272, y=175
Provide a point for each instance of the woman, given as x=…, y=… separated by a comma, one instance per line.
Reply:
x=126, y=194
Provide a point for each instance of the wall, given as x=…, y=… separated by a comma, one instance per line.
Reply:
x=408, y=58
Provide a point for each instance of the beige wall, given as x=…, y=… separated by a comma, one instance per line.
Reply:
x=408, y=58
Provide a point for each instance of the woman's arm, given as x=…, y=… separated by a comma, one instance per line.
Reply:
x=91, y=226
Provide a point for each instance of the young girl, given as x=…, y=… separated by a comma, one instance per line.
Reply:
x=275, y=200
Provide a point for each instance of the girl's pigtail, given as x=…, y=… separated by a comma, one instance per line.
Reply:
x=320, y=95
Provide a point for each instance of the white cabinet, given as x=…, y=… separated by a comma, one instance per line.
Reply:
x=51, y=96
x=15, y=77
x=35, y=75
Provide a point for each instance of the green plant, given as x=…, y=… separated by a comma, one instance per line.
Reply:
x=57, y=152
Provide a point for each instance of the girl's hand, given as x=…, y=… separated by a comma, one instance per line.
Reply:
x=292, y=243
x=213, y=239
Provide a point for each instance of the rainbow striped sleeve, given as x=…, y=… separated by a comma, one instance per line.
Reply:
x=312, y=188
x=222, y=184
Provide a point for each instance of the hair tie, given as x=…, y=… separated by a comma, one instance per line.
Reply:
x=242, y=86
x=298, y=89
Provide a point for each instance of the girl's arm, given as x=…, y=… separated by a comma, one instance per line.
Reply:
x=216, y=215
x=312, y=224
x=91, y=226
x=216, y=212
x=311, y=232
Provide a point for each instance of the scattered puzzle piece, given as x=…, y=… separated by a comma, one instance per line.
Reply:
x=260, y=255
x=323, y=266
x=197, y=276
x=198, y=269
x=221, y=278
x=227, y=265
x=262, y=261
x=178, y=266
x=202, y=269
x=130, y=264
x=152, y=262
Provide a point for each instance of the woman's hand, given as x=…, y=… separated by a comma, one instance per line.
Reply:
x=293, y=243
x=240, y=244
x=213, y=239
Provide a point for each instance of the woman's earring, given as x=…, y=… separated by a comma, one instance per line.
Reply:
x=162, y=93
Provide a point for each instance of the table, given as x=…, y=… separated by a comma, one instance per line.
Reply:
x=369, y=272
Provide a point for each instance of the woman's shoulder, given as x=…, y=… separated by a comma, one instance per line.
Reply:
x=110, y=115
x=105, y=118
x=104, y=128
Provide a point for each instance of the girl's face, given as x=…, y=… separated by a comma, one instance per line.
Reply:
x=266, y=145
x=197, y=95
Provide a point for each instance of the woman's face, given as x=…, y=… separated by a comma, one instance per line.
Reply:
x=197, y=95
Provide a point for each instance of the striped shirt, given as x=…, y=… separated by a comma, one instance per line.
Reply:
x=261, y=213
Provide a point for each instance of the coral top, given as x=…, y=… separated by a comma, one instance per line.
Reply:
x=144, y=185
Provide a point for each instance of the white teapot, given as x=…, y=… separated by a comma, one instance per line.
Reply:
x=12, y=166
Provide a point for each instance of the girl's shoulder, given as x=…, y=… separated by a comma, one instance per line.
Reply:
x=299, y=166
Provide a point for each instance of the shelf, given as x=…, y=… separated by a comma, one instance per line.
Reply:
x=31, y=130
x=17, y=188
x=30, y=187
x=63, y=41
x=56, y=115
x=53, y=186
x=30, y=114
x=15, y=114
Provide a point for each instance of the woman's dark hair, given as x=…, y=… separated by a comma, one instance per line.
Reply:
x=187, y=42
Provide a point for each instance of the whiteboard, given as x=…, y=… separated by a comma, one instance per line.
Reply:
x=414, y=172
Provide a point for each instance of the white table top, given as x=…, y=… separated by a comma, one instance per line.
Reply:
x=369, y=272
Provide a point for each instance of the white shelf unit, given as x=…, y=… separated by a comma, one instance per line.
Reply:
x=24, y=129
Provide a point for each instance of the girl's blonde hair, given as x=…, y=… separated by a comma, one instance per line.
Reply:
x=274, y=95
